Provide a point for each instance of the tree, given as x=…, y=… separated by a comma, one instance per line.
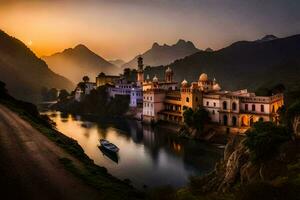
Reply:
x=85, y=79
x=82, y=86
x=293, y=117
x=264, y=140
x=63, y=95
x=188, y=116
x=52, y=94
x=196, y=119
x=200, y=118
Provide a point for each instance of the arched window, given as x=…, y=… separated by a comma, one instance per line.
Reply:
x=233, y=106
x=187, y=99
x=261, y=119
x=262, y=108
x=253, y=107
x=224, y=105
x=233, y=121
x=225, y=120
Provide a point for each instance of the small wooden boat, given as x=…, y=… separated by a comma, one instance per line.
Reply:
x=109, y=146
x=109, y=154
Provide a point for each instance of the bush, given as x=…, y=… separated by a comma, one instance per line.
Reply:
x=264, y=140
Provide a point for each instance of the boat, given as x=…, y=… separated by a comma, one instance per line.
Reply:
x=109, y=146
x=109, y=154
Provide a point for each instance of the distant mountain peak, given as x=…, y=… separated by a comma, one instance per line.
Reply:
x=78, y=61
x=80, y=46
x=181, y=41
x=155, y=45
x=267, y=38
x=209, y=49
x=165, y=54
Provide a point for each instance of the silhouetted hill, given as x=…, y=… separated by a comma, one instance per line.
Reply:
x=117, y=62
x=76, y=62
x=23, y=72
x=244, y=64
x=165, y=54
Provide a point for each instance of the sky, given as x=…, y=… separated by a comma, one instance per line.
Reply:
x=121, y=29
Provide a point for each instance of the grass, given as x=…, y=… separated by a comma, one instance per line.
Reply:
x=91, y=174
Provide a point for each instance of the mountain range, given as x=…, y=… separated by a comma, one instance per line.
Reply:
x=24, y=73
x=244, y=64
x=74, y=63
x=164, y=54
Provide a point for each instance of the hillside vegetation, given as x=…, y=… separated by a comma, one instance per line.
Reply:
x=24, y=73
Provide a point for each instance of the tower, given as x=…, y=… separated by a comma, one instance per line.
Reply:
x=169, y=75
x=140, y=71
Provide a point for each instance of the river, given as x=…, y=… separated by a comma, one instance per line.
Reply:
x=148, y=157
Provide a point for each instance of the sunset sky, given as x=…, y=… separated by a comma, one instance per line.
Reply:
x=124, y=28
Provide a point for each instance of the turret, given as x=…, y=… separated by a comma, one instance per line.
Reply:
x=140, y=71
x=169, y=75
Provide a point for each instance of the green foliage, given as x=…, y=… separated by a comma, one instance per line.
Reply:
x=196, y=119
x=98, y=103
x=264, y=140
x=85, y=79
x=293, y=111
x=63, y=95
x=49, y=95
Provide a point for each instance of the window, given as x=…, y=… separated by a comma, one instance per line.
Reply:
x=207, y=103
x=213, y=112
x=214, y=104
x=225, y=120
x=224, y=105
x=246, y=107
x=196, y=99
x=233, y=106
x=262, y=108
x=187, y=99
x=253, y=107
x=233, y=121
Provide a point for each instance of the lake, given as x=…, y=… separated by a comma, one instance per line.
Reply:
x=148, y=156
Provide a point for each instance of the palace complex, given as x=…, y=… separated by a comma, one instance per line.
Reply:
x=230, y=111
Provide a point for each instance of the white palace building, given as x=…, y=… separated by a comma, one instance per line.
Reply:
x=232, y=111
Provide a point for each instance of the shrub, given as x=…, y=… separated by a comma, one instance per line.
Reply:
x=264, y=140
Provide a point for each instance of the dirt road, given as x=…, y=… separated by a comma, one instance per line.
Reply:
x=30, y=167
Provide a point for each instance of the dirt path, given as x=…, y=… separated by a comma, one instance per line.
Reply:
x=30, y=167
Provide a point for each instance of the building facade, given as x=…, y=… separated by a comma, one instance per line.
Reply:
x=230, y=111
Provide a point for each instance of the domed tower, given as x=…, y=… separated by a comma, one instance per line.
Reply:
x=169, y=75
x=140, y=71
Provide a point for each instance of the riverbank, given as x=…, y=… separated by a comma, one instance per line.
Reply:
x=79, y=166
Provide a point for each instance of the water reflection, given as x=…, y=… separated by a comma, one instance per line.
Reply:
x=147, y=156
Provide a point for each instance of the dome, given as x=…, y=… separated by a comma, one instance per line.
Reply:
x=217, y=87
x=203, y=77
x=155, y=79
x=169, y=70
x=184, y=83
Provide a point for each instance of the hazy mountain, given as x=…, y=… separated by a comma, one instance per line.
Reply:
x=165, y=54
x=76, y=62
x=117, y=62
x=243, y=64
x=23, y=72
